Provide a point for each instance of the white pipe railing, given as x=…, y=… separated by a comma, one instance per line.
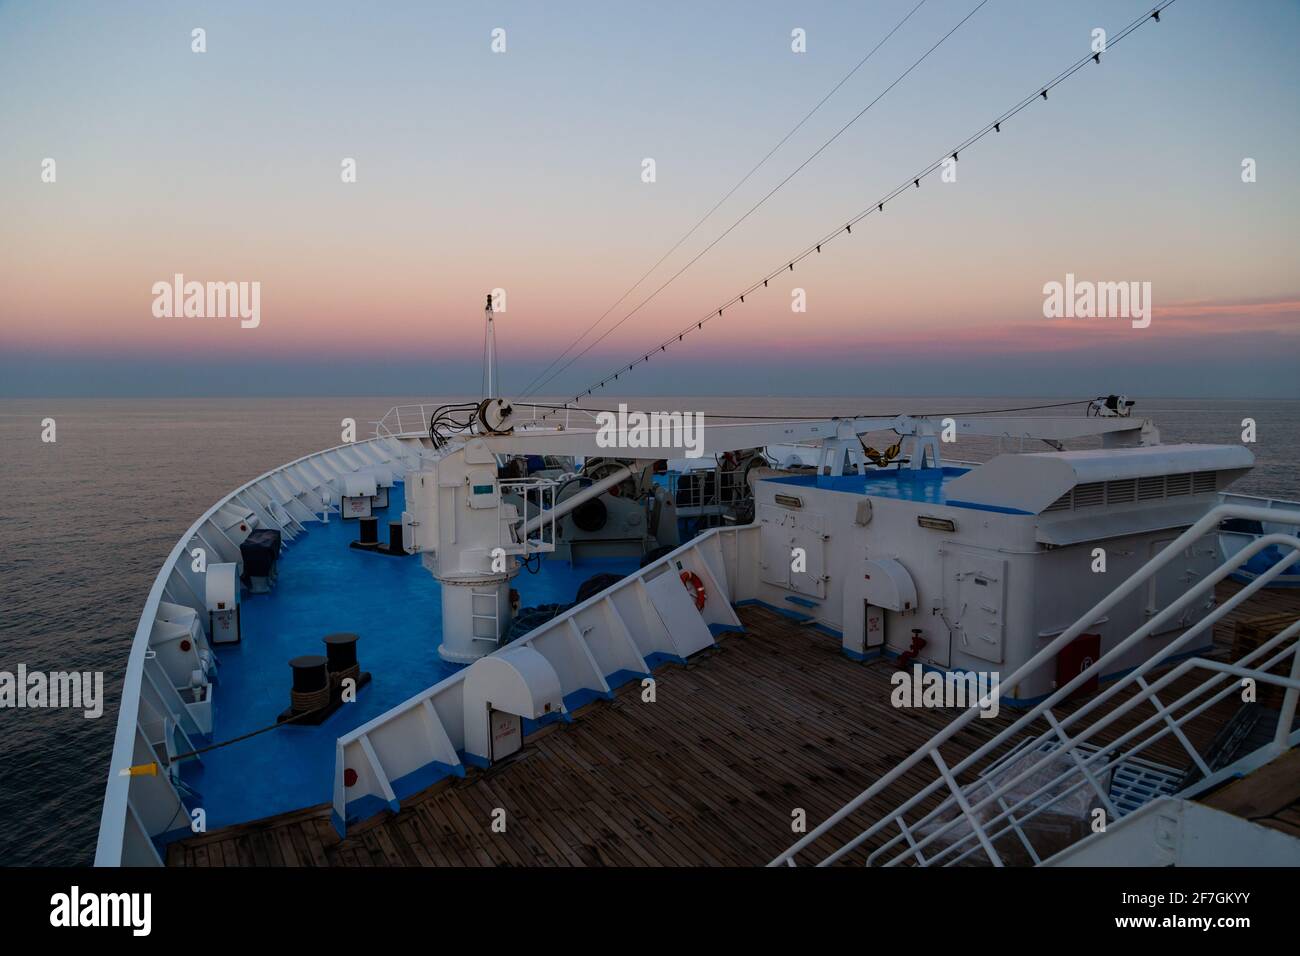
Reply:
x=405, y=421
x=117, y=812
x=538, y=491
x=1057, y=729
x=562, y=508
x=1101, y=756
x=1258, y=501
x=397, y=742
x=1206, y=525
x=412, y=421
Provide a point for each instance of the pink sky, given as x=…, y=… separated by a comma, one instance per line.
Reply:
x=523, y=172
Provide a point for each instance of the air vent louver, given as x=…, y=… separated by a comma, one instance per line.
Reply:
x=1129, y=490
x=1093, y=493
x=1152, y=487
x=1060, y=504
x=1121, y=491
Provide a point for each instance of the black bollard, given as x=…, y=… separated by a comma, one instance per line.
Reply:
x=309, y=674
x=369, y=532
x=341, y=651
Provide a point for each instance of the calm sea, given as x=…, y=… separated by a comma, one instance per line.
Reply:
x=87, y=521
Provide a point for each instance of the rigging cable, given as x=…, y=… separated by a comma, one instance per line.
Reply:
x=993, y=127
x=835, y=415
x=528, y=390
x=754, y=208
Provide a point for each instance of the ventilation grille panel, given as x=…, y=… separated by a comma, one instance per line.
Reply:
x=1152, y=487
x=1060, y=504
x=1130, y=490
x=1121, y=492
x=1093, y=493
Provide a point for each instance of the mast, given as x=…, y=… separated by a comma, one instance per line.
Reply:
x=489, y=351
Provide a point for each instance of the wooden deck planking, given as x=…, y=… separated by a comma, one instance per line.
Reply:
x=768, y=721
x=708, y=774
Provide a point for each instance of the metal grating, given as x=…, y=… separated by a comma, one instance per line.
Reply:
x=1134, y=782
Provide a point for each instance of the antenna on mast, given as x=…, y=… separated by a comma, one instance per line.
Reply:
x=489, y=352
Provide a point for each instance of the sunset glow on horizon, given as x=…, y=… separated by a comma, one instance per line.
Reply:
x=522, y=171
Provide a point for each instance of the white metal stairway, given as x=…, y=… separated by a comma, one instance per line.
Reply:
x=1043, y=760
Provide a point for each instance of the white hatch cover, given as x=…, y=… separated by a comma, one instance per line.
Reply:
x=888, y=585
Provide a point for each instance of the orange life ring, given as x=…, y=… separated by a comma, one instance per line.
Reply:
x=696, y=587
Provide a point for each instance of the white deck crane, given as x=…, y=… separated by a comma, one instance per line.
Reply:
x=470, y=534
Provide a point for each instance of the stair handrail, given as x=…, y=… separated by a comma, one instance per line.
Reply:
x=1101, y=756
x=1207, y=524
x=1057, y=727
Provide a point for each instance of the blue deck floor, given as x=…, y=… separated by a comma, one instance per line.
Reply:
x=324, y=586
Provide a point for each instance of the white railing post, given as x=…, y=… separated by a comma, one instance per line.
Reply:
x=1163, y=711
x=966, y=810
x=1287, y=717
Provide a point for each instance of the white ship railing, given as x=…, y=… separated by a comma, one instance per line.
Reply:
x=537, y=496
x=1270, y=504
x=405, y=421
x=706, y=491
x=412, y=421
x=139, y=808
x=1234, y=539
x=615, y=631
x=977, y=814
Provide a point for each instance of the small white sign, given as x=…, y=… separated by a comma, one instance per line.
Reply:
x=507, y=734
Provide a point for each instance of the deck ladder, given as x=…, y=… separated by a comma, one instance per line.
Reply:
x=478, y=601
x=1062, y=756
